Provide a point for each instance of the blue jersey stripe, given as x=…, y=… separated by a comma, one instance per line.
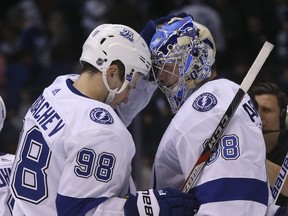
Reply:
x=229, y=189
x=67, y=206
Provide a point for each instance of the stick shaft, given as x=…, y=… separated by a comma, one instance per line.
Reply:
x=282, y=175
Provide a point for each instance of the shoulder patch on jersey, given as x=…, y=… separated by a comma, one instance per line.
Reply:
x=102, y=116
x=204, y=102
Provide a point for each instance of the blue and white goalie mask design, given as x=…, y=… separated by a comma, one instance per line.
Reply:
x=183, y=52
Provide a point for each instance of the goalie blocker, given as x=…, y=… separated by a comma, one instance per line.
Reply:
x=161, y=202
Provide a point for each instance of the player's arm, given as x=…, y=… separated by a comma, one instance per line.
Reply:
x=165, y=202
x=138, y=100
x=273, y=171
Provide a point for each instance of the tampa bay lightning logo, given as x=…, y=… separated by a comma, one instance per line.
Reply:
x=127, y=34
x=204, y=102
x=101, y=116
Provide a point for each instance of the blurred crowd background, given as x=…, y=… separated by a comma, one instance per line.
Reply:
x=41, y=39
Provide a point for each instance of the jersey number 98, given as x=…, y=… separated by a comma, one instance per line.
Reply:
x=103, y=169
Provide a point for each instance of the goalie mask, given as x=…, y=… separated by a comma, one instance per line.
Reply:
x=184, y=51
x=110, y=42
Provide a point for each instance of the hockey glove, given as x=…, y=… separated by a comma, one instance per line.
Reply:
x=163, y=202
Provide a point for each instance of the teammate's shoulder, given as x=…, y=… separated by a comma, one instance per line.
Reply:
x=103, y=114
x=219, y=87
x=98, y=115
x=102, y=122
x=211, y=96
x=63, y=78
x=224, y=81
x=6, y=158
x=68, y=76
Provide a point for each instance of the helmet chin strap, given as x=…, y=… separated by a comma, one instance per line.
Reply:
x=110, y=98
x=112, y=92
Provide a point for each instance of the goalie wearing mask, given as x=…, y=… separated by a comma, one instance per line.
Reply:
x=234, y=179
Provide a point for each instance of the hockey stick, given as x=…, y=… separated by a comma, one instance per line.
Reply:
x=282, y=175
x=283, y=172
x=212, y=143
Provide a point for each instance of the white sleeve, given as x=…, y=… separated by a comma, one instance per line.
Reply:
x=138, y=100
x=113, y=206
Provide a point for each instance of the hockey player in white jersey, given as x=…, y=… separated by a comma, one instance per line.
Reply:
x=74, y=156
x=6, y=162
x=234, y=180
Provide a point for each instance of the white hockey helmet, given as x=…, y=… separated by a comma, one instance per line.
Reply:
x=191, y=48
x=2, y=113
x=110, y=42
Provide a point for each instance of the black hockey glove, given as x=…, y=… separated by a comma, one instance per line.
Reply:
x=162, y=202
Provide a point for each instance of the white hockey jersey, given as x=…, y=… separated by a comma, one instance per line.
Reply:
x=74, y=154
x=6, y=200
x=234, y=181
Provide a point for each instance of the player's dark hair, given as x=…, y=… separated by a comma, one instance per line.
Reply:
x=118, y=63
x=272, y=89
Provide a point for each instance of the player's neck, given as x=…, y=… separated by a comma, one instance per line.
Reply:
x=92, y=86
